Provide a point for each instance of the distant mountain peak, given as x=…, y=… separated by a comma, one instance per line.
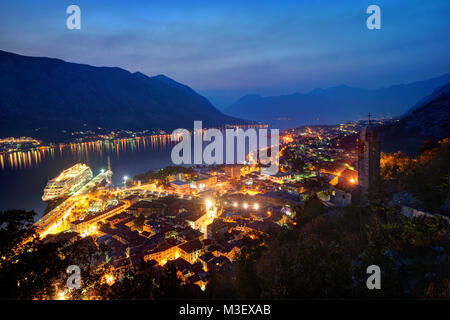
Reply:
x=55, y=95
x=335, y=104
x=163, y=77
x=445, y=89
x=428, y=119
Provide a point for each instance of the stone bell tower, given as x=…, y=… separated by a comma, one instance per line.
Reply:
x=368, y=156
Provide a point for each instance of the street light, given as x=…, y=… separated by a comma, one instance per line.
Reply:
x=61, y=295
x=245, y=205
x=256, y=206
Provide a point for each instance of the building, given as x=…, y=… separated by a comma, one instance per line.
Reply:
x=191, y=251
x=82, y=226
x=344, y=194
x=165, y=251
x=368, y=157
x=347, y=175
x=280, y=177
x=180, y=186
x=230, y=251
x=217, y=227
x=204, y=259
x=194, y=219
x=146, y=208
x=294, y=188
x=234, y=171
x=203, y=181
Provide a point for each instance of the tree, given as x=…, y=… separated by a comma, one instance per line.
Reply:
x=379, y=198
x=169, y=284
x=298, y=164
x=395, y=165
x=327, y=257
x=428, y=145
x=220, y=286
x=311, y=209
x=428, y=180
x=28, y=265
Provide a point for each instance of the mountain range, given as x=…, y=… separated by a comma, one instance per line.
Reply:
x=429, y=119
x=43, y=97
x=333, y=105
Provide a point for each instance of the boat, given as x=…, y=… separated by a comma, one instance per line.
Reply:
x=68, y=182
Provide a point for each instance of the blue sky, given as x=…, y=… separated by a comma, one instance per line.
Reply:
x=225, y=49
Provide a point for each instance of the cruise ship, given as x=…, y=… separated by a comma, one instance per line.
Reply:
x=69, y=181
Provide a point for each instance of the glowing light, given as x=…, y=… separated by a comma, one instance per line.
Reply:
x=256, y=206
x=125, y=178
x=109, y=279
x=245, y=205
x=352, y=180
x=235, y=204
x=208, y=203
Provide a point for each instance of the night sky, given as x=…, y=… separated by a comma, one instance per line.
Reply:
x=225, y=49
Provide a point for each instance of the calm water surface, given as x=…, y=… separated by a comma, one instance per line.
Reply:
x=23, y=175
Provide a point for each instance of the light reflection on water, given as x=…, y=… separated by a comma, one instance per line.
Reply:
x=81, y=151
x=23, y=175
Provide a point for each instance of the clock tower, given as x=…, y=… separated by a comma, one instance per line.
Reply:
x=368, y=157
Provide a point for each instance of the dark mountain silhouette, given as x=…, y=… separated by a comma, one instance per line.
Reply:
x=427, y=120
x=54, y=95
x=333, y=105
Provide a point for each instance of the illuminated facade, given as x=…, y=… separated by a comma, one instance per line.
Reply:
x=191, y=251
x=81, y=226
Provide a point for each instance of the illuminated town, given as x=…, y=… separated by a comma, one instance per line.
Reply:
x=197, y=218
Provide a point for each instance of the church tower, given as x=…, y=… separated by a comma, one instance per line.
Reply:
x=368, y=157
